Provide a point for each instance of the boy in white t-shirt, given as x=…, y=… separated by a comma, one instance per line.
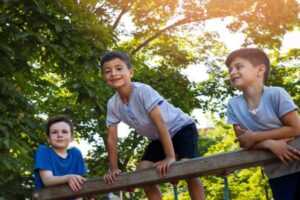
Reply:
x=171, y=131
x=265, y=118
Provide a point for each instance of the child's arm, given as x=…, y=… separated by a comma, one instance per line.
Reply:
x=280, y=148
x=289, y=130
x=163, y=166
x=73, y=180
x=112, y=142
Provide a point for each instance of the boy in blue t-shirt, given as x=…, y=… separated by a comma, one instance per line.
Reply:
x=265, y=118
x=57, y=164
x=170, y=130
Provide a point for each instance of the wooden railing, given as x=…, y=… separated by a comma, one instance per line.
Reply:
x=215, y=164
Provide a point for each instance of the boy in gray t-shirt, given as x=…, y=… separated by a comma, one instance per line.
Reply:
x=265, y=118
x=170, y=130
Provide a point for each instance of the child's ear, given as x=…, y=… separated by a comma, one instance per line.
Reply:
x=48, y=139
x=261, y=70
x=131, y=71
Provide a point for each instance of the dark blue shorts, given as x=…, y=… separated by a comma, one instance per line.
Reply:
x=185, y=143
x=286, y=187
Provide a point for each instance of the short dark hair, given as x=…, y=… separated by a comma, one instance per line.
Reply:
x=110, y=55
x=59, y=118
x=254, y=55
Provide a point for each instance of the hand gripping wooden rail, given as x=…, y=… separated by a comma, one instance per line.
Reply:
x=215, y=164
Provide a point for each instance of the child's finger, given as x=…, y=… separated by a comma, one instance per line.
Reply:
x=73, y=185
x=282, y=159
x=293, y=150
x=160, y=168
x=77, y=183
x=294, y=153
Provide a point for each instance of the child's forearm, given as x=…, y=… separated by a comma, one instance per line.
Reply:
x=112, y=155
x=168, y=147
x=112, y=148
x=55, y=180
x=265, y=145
x=276, y=134
x=166, y=140
x=163, y=132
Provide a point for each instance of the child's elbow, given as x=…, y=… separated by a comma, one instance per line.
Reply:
x=297, y=133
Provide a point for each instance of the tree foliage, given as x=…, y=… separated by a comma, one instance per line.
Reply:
x=50, y=53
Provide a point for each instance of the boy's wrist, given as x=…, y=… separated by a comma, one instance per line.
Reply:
x=112, y=168
x=256, y=137
x=170, y=157
x=267, y=144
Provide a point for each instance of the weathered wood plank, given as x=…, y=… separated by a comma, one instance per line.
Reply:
x=215, y=164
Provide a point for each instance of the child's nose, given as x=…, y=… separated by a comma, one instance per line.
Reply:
x=113, y=72
x=232, y=71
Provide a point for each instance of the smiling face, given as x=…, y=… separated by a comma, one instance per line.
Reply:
x=116, y=73
x=244, y=74
x=60, y=135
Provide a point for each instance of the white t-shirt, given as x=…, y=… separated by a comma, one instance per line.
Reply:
x=275, y=102
x=135, y=113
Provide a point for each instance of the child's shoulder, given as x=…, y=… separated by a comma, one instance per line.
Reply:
x=43, y=147
x=236, y=98
x=43, y=150
x=275, y=92
x=139, y=85
x=273, y=89
x=74, y=150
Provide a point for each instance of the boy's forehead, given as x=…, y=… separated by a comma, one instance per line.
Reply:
x=237, y=60
x=113, y=62
x=60, y=124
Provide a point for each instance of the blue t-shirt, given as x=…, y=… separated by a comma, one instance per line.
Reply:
x=274, y=104
x=47, y=159
x=135, y=113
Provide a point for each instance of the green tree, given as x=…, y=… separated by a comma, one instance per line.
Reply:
x=49, y=65
x=45, y=47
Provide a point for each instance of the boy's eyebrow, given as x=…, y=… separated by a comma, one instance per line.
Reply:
x=116, y=65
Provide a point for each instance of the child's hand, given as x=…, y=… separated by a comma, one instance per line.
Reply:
x=283, y=151
x=245, y=138
x=111, y=176
x=163, y=166
x=239, y=130
x=75, y=182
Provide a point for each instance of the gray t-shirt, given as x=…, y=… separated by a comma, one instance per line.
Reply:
x=275, y=102
x=135, y=113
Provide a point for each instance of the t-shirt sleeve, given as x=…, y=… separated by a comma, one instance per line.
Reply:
x=42, y=158
x=150, y=97
x=111, y=117
x=231, y=117
x=283, y=102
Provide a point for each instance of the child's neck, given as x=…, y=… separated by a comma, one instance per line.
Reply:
x=253, y=96
x=125, y=93
x=61, y=152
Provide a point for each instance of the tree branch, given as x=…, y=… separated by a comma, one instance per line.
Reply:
x=178, y=23
x=124, y=10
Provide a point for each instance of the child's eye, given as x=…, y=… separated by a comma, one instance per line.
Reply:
x=239, y=66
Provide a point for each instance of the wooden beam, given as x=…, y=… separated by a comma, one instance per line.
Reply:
x=215, y=164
